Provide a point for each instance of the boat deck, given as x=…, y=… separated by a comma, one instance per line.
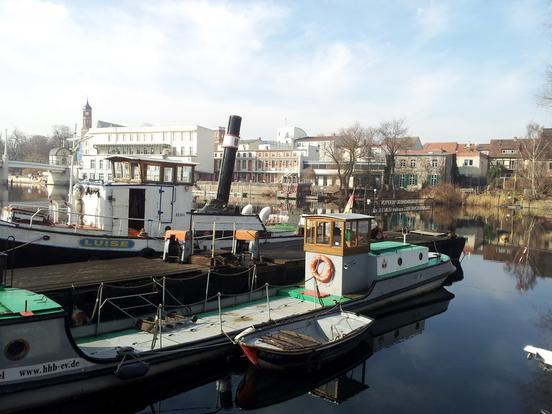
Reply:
x=92, y=273
x=207, y=326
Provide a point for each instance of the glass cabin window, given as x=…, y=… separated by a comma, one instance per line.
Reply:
x=363, y=233
x=184, y=174
x=136, y=172
x=337, y=232
x=310, y=231
x=167, y=175
x=153, y=172
x=323, y=232
x=351, y=234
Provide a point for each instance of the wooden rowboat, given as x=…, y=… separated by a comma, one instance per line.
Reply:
x=308, y=342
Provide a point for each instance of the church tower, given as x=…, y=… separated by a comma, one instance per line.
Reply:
x=86, y=118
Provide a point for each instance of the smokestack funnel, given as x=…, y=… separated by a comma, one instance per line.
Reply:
x=230, y=144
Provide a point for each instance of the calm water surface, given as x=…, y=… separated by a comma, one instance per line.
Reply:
x=458, y=350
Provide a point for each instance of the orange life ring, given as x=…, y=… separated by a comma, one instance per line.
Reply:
x=328, y=274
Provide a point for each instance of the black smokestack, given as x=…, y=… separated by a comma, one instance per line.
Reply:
x=230, y=145
x=219, y=205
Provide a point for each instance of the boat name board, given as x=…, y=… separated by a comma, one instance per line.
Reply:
x=39, y=370
x=106, y=243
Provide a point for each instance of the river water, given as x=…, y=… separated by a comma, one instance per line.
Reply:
x=458, y=350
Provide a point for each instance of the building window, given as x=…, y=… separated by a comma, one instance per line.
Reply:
x=433, y=179
x=92, y=176
x=468, y=162
x=101, y=164
x=101, y=176
x=434, y=163
x=412, y=163
x=403, y=180
x=93, y=164
x=413, y=179
x=402, y=163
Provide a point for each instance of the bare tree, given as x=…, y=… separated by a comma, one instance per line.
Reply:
x=350, y=145
x=392, y=134
x=60, y=135
x=534, y=150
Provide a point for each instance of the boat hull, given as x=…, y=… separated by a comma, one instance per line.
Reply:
x=61, y=372
x=41, y=245
x=311, y=360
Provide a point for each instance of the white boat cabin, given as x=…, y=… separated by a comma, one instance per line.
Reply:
x=146, y=197
x=340, y=258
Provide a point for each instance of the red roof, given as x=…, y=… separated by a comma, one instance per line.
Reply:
x=443, y=146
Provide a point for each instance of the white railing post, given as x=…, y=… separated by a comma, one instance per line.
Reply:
x=220, y=312
x=213, y=243
x=207, y=287
x=99, y=304
x=268, y=301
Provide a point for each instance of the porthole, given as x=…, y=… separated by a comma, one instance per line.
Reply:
x=399, y=261
x=420, y=256
x=16, y=350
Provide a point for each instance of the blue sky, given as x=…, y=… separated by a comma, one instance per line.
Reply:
x=455, y=70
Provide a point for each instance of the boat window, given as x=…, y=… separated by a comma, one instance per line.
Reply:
x=121, y=169
x=337, y=232
x=364, y=233
x=167, y=175
x=152, y=172
x=16, y=349
x=323, y=232
x=136, y=172
x=310, y=231
x=126, y=170
x=351, y=233
x=184, y=174
x=118, y=170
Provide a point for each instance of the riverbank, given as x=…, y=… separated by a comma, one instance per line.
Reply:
x=541, y=207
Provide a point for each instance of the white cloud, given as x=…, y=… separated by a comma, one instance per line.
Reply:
x=432, y=20
x=173, y=62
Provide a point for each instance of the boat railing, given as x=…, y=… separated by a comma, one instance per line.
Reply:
x=36, y=210
x=135, y=305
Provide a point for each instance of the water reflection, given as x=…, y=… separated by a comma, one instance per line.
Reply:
x=522, y=242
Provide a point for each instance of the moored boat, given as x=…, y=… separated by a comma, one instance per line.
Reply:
x=309, y=342
x=45, y=359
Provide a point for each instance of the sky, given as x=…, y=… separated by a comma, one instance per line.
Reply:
x=464, y=70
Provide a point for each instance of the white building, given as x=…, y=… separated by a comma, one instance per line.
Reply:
x=185, y=143
x=287, y=135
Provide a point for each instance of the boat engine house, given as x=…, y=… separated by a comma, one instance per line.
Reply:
x=340, y=259
x=147, y=195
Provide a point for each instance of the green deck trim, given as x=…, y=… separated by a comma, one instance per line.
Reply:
x=430, y=263
x=390, y=246
x=109, y=335
x=12, y=303
x=295, y=292
x=281, y=227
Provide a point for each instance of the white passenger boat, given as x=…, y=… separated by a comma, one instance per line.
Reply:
x=126, y=217
x=45, y=360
